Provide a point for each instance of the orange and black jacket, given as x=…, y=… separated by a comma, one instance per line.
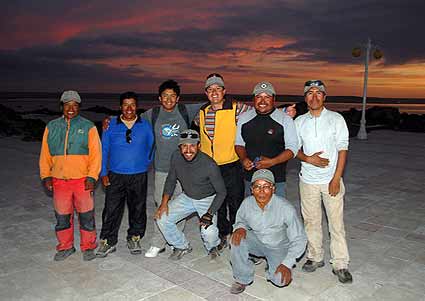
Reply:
x=70, y=150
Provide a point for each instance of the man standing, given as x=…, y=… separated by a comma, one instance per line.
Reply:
x=167, y=120
x=267, y=226
x=203, y=193
x=323, y=141
x=266, y=138
x=70, y=162
x=127, y=150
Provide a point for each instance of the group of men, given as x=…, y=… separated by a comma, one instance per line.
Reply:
x=232, y=173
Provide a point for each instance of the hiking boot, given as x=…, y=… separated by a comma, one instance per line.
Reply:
x=224, y=243
x=179, y=253
x=344, y=276
x=104, y=249
x=88, y=255
x=214, y=253
x=310, y=266
x=154, y=251
x=237, y=288
x=133, y=245
x=63, y=254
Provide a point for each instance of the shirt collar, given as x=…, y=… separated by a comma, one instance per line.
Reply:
x=321, y=114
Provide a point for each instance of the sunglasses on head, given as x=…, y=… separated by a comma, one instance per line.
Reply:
x=313, y=83
x=189, y=135
x=128, y=136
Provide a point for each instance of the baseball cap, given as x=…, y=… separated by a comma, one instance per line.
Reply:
x=263, y=174
x=189, y=137
x=214, y=80
x=314, y=83
x=265, y=87
x=70, y=95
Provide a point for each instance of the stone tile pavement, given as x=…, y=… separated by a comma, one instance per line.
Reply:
x=385, y=224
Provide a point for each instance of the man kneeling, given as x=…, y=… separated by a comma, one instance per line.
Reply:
x=203, y=193
x=266, y=226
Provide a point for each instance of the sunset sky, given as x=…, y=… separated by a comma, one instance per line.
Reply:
x=103, y=46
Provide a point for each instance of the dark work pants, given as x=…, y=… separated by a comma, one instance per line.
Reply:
x=234, y=180
x=124, y=188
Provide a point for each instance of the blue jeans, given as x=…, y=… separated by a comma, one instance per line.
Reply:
x=280, y=189
x=243, y=268
x=181, y=207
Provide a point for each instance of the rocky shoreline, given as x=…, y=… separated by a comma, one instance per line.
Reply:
x=13, y=123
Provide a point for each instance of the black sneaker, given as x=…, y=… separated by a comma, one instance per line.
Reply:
x=63, y=254
x=214, y=253
x=179, y=253
x=133, y=245
x=310, y=266
x=104, y=249
x=344, y=276
x=224, y=243
x=88, y=255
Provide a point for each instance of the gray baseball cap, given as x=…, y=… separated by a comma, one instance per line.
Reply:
x=263, y=174
x=189, y=137
x=265, y=87
x=214, y=80
x=314, y=83
x=70, y=95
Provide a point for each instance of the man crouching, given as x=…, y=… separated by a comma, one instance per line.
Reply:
x=266, y=226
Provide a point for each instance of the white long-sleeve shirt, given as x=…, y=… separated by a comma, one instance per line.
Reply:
x=327, y=133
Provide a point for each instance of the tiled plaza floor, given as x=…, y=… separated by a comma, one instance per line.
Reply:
x=385, y=225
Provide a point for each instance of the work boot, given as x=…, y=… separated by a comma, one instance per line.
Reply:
x=344, y=276
x=179, y=253
x=133, y=245
x=310, y=266
x=63, y=254
x=104, y=249
x=88, y=255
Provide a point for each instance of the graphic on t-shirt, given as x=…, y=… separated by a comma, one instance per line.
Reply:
x=168, y=131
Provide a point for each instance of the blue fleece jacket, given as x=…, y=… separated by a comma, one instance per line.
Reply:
x=122, y=157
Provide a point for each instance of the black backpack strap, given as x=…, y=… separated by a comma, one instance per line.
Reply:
x=183, y=112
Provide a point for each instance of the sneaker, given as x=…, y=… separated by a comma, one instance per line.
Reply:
x=214, y=253
x=344, y=276
x=133, y=245
x=179, y=253
x=224, y=243
x=237, y=288
x=63, y=254
x=310, y=266
x=256, y=260
x=154, y=251
x=88, y=255
x=104, y=249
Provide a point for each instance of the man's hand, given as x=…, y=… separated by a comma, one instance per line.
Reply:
x=48, y=183
x=247, y=164
x=291, y=111
x=105, y=123
x=264, y=162
x=105, y=181
x=286, y=274
x=88, y=185
x=161, y=209
x=318, y=161
x=238, y=235
x=206, y=220
x=334, y=187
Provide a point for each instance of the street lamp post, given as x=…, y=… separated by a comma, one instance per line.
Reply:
x=362, y=134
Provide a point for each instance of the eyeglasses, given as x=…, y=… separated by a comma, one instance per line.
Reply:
x=189, y=135
x=128, y=136
x=313, y=83
x=266, y=187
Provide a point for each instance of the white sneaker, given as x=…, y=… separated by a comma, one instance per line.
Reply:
x=154, y=251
